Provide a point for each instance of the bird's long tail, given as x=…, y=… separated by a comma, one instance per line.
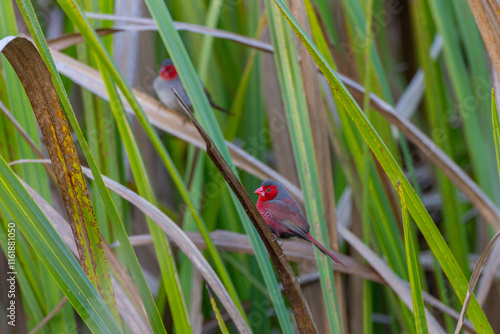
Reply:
x=324, y=250
x=220, y=108
x=212, y=103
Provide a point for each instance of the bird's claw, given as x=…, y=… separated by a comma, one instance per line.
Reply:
x=282, y=254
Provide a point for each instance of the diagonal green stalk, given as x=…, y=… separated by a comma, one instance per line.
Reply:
x=413, y=270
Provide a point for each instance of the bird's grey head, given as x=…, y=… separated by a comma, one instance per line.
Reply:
x=282, y=192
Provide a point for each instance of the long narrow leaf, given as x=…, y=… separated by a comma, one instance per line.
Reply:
x=415, y=206
x=55, y=255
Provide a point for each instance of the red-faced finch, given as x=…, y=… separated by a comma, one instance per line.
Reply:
x=168, y=77
x=283, y=215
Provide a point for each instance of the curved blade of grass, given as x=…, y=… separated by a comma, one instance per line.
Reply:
x=30, y=18
x=144, y=24
x=415, y=206
x=413, y=270
x=66, y=164
x=220, y=321
x=49, y=246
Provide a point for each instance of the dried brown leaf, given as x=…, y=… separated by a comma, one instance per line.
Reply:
x=37, y=82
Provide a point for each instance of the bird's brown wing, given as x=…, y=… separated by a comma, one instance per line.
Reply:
x=290, y=217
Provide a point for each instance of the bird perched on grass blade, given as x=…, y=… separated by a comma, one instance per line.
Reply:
x=283, y=215
x=168, y=77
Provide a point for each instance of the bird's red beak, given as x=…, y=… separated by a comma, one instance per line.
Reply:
x=260, y=191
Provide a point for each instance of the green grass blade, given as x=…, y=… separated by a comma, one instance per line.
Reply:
x=218, y=316
x=413, y=270
x=393, y=171
x=496, y=128
x=49, y=246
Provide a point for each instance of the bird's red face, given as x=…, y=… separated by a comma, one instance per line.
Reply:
x=168, y=72
x=267, y=193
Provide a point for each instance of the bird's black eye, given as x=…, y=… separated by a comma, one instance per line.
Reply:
x=268, y=189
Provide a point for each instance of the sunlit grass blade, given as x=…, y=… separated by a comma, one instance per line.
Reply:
x=413, y=270
x=496, y=128
x=220, y=321
x=388, y=163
